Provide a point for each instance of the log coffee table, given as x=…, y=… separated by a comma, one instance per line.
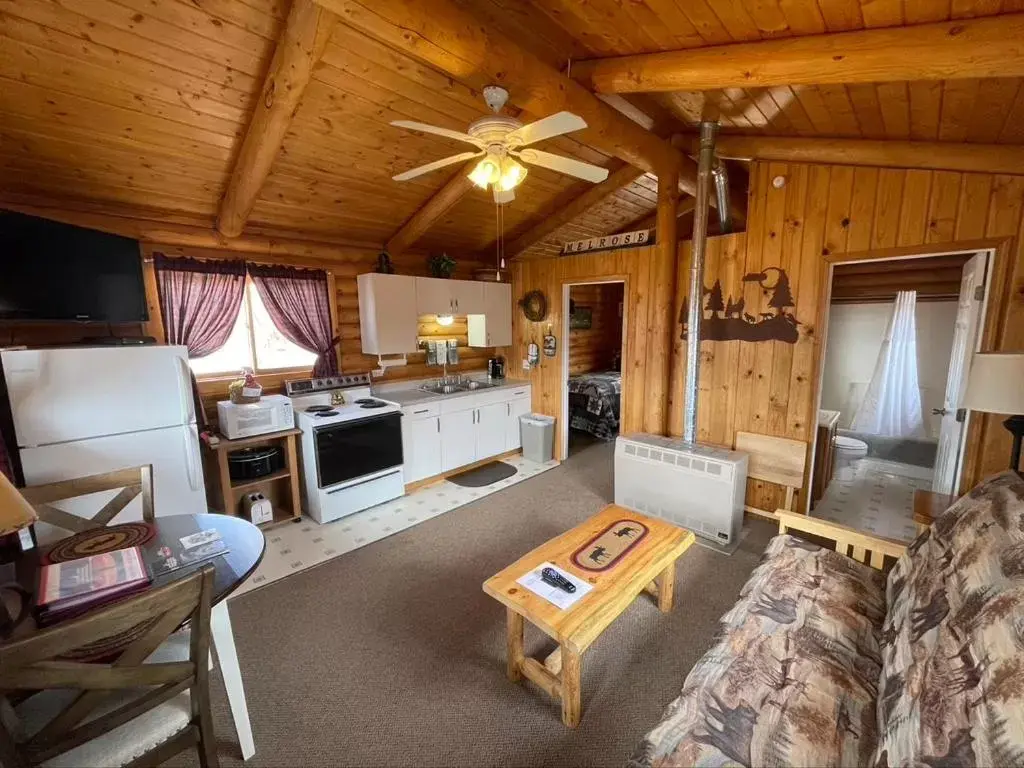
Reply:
x=621, y=554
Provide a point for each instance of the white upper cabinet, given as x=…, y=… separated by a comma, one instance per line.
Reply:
x=493, y=327
x=434, y=296
x=468, y=296
x=387, y=313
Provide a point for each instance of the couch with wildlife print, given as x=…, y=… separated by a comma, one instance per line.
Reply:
x=821, y=664
x=793, y=678
x=952, y=685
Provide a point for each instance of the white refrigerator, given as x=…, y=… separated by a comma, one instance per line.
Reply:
x=83, y=411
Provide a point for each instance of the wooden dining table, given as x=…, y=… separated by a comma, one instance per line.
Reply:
x=245, y=547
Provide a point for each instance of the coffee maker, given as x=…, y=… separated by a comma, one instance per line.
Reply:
x=496, y=368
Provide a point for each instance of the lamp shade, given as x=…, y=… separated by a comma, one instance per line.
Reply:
x=996, y=383
x=15, y=512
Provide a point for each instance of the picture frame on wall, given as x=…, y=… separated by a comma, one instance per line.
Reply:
x=581, y=319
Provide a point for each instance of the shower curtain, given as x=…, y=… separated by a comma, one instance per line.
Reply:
x=892, y=405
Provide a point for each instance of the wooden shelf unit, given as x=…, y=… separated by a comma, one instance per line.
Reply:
x=281, y=487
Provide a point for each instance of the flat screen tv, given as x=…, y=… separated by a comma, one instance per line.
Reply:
x=55, y=271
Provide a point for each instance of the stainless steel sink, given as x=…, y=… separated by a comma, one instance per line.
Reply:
x=450, y=387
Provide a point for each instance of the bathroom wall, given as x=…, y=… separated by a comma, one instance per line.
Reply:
x=855, y=334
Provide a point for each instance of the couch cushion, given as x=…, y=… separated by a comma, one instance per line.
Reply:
x=792, y=679
x=952, y=685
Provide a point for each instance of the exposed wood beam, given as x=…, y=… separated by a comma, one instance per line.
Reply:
x=444, y=35
x=964, y=48
x=447, y=196
x=576, y=206
x=301, y=45
x=935, y=155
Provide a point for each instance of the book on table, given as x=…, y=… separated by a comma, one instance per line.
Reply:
x=75, y=586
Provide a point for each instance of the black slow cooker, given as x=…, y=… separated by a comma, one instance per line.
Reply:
x=254, y=463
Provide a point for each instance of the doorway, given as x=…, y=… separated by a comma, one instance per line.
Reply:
x=901, y=333
x=594, y=333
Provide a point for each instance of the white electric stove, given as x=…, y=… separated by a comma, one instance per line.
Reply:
x=351, y=446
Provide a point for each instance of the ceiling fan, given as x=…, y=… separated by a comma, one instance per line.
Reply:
x=500, y=142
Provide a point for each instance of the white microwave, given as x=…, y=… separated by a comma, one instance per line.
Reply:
x=272, y=413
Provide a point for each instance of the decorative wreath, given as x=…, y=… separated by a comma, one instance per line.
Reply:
x=535, y=306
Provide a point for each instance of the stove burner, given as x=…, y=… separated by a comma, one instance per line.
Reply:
x=317, y=408
x=371, y=403
x=328, y=412
x=364, y=400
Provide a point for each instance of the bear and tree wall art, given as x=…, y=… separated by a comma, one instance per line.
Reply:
x=732, y=320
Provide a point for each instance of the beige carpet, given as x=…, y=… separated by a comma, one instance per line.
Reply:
x=393, y=655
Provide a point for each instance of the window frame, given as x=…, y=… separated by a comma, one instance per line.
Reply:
x=273, y=375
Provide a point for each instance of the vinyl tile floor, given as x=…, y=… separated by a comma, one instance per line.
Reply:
x=295, y=547
x=875, y=495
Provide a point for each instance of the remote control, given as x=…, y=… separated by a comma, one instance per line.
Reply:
x=555, y=579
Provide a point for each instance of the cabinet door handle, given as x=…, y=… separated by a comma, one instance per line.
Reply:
x=508, y=409
x=439, y=426
x=423, y=411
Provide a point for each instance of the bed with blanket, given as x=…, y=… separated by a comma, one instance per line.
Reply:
x=594, y=403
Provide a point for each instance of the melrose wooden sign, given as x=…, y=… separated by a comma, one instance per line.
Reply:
x=608, y=242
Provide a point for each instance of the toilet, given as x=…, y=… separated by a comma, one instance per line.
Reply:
x=848, y=451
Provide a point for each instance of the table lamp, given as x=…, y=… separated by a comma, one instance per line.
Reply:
x=15, y=512
x=996, y=385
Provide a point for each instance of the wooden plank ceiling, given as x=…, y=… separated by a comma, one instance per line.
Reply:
x=139, y=107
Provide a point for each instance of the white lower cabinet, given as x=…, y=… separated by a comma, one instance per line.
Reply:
x=443, y=435
x=421, y=447
x=490, y=430
x=458, y=439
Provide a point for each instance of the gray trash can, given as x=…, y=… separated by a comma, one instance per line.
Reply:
x=537, y=433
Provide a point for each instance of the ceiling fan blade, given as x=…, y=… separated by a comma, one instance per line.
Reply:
x=419, y=171
x=412, y=125
x=501, y=197
x=545, y=128
x=564, y=165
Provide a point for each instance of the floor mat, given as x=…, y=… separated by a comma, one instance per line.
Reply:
x=492, y=472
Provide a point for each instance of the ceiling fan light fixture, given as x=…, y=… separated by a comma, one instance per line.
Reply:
x=512, y=175
x=487, y=171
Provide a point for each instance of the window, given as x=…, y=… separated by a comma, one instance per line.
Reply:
x=255, y=342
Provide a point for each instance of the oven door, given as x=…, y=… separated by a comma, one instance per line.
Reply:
x=353, y=449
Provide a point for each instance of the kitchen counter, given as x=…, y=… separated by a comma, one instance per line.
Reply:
x=407, y=393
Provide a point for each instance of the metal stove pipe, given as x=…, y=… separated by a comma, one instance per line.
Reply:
x=705, y=164
x=721, y=177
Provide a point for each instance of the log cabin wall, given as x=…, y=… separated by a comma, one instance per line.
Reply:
x=596, y=348
x=343, y=266
x=771, y=387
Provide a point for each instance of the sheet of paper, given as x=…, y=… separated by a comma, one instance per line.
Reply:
x=559, y=597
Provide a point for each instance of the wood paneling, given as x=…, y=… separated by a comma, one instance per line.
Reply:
x=822, y=212
x=596, y=348
x=634, y=268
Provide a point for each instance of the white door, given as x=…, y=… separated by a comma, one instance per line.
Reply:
x=468, y=296
x=61, y=395
x=498, y=301
x=965, y=340
x=178, y=487
x=516, y=408
x=490, y=430
x=423, y=457
x=458, y=439
x=434, y=296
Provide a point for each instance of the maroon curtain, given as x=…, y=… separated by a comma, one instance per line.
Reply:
x=299, y=303
x=199, y=300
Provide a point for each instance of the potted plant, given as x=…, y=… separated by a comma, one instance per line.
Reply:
x=384, y=265
x=441, y=265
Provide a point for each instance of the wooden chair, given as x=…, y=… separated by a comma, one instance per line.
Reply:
x=776, y=460
x=132, y=482
x=104, y=719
